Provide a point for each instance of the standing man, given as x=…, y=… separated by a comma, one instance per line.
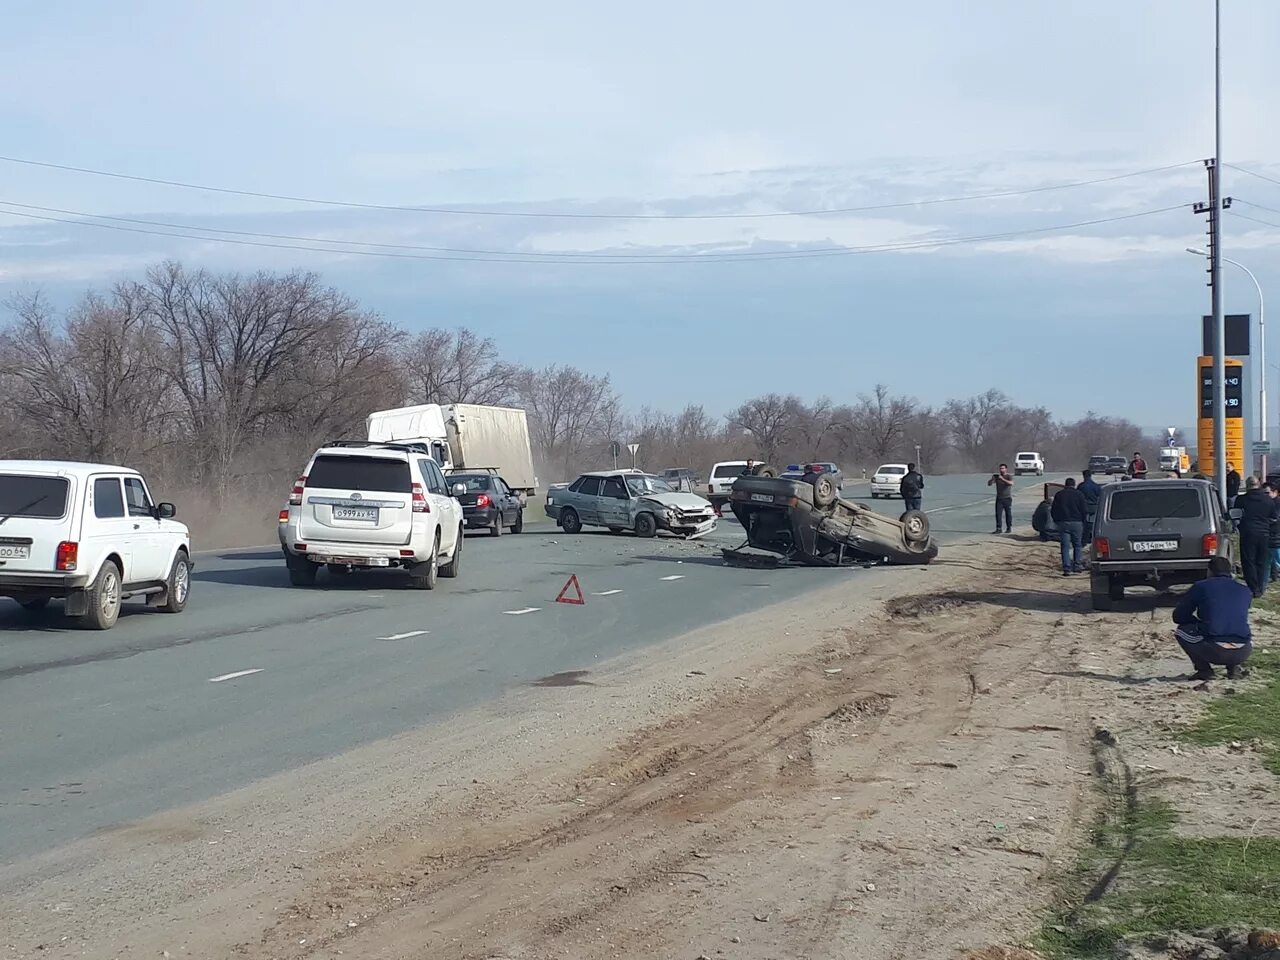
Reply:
x=1258, y=510
x=1004, y=497
x=1213, y=622
x=912, y=488
x=1138, y=467
x=1069, y=512
x=1091, y=490
x=1274, y=540
x=1233, y=485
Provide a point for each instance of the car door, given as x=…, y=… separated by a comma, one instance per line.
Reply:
x=150, y=548
x=615, y=503
x=441, y=500
x=107, y=526
x=586, y=500
x=510, y=503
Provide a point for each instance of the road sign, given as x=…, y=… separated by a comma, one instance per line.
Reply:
x=615, y=448
x=571, y=584
x=634, y=448
x=1261, y=448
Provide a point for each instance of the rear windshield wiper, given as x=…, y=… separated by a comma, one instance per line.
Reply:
x=26, y=506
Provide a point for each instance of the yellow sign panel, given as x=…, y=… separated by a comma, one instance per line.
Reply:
x=1234, y=370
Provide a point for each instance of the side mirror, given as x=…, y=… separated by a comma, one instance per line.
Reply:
x=166, y=511
x=459, y=489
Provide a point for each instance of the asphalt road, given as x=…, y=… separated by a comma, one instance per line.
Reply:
x=256, y=677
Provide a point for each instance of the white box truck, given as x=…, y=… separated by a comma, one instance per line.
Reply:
x=464, y=436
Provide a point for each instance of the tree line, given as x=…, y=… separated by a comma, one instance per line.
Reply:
x=224, y=383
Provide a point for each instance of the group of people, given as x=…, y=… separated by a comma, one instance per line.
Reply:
x=1073, y=510
x=1259, y=526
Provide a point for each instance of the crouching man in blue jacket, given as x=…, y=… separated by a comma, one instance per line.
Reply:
x=1213, y=622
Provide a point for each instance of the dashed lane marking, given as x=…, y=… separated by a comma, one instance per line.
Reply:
x=606, y=593
x=238, y=673
x=522, y=611
x=405, y=636
x=675, y=576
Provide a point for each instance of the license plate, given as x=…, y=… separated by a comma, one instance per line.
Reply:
x=356, y=513
x=1152, y=546
x=12, y=551
x=354, y=561
x=762, y=497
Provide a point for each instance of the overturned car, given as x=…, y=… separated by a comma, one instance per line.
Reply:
x=806, y=521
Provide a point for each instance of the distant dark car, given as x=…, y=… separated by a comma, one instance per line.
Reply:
x=1117, y=465
x=1155, y=533
x=487, y=501
x=680, y=478
x=1098, y=463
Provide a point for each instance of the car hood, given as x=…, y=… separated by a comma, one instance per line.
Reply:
x=683, y=501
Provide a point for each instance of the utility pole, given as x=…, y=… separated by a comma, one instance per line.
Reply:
x=1214, y=209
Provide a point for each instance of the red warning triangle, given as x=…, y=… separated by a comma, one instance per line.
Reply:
x=565, y=598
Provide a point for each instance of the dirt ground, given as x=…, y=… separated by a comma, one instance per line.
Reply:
x=886, y=777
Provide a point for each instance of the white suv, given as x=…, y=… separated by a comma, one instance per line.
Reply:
x=369, y=504
x=1028, y=462
x=91, y=535
x=720, y=480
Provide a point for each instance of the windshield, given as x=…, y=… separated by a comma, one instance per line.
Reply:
x=1179, y=502
x=640, y=485
x=44, y=498
x=892, y=468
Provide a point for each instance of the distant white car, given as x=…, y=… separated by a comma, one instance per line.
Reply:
x=720, y=480
x=887, y=480
x=1028, y=461
x=89, y=534
x=369, y=504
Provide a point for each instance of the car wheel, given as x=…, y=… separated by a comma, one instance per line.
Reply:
x=35, y=605
x=451, y=568
x=915, y=526
x=1115, y=589
x=646, y=525
x=518, y=526
x=570, y=521
x=824, y=491
x=496, y=529
x=424, y=575
x=178, y=586
x=104, y=598
x=338, y=569
x=1099, y=592
x=302, y=572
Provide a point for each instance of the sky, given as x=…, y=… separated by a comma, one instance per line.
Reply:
x=678, y=131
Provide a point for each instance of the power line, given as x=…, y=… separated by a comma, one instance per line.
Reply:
x=1265, y=223
x=603, y=259
x=1252, y=173
x=1257, y=205
x=470, y=212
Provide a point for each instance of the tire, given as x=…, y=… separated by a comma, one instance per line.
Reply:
x=338, y=569
x=1115, y=589
x=178, y=586
x=104, y=599
x=646, y=526
x=570, y=522
x=764, y=470
x=875, y=496
x=450, y=569
x=302, y=572
x=427, y=580
x=518, y=526
x=915, y=526
x=1099, y=592
x=35, y=605
x=824, y=491
x=496, y=529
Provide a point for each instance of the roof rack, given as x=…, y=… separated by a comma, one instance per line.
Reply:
x=382, y=445
x=493, y=470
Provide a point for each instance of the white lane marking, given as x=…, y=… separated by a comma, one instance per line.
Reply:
x=405, y=636
x=606, y=593
x=238, y=673
x=521, y=611
x=677, y=576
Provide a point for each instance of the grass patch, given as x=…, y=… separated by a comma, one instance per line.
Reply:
x=1137, y=877
x=1252, y=713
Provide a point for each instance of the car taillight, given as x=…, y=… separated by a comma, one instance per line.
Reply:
x=420, y=504
x=1101, y=548
x=1208, y=544
x=483, y=500
x=295, y=497
x=68, y=555
x=284, y=516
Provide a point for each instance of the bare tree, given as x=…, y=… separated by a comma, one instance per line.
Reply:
x=459, y=366
x=971, y=422
x=880, y=421
x=772, y=421
x=569, y=411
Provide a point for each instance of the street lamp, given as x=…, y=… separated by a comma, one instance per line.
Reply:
x=1262, y=350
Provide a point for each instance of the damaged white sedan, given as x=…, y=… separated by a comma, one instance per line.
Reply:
x=629, y=500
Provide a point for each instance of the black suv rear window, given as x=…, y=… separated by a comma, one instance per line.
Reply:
x=44, y=498
x=1175, y=502
x=379, y=474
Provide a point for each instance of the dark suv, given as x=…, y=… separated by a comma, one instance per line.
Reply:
x=1155, y=533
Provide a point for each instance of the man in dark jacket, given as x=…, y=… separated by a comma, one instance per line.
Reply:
x=1213, y=622
x=1069, y=513
x=912, y=488
x=1138, y=467
x=1258, y=510
x=1091, y=490
x=1233, y=485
